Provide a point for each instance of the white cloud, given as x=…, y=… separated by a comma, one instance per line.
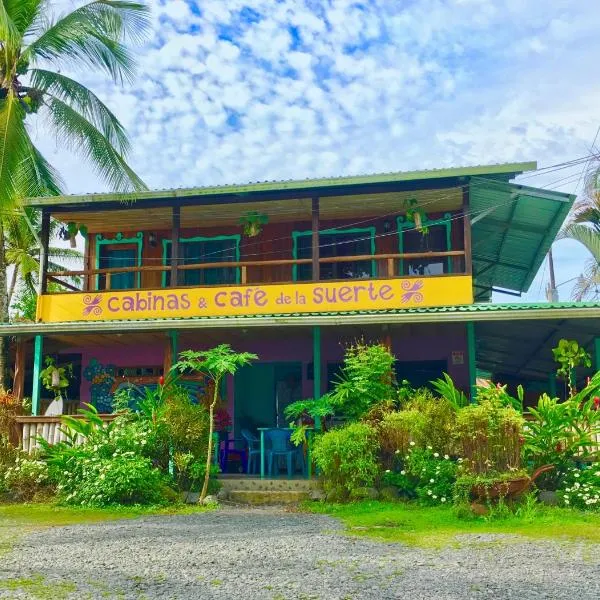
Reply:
x=238, y=91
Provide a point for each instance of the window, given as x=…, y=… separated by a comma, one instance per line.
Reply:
x=412, y=241
x=113, y=257
x=205, y=250
x=332, y=243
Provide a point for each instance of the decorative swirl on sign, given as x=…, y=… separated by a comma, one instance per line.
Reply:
x=92, y=305
x=412, y=291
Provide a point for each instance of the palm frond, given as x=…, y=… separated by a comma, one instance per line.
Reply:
x=587, y=284
x=92, y=36
x=14, y=148
x=85, y=102
x=37, y=177
x=77, y=132
x=64, y=253
x=585, y=235
x=22, y=13
x=9, y=32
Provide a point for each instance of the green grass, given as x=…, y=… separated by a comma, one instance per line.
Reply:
x=37, y=586
x=439, y=526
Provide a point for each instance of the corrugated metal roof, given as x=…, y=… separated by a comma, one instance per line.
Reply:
x=506, y=171
x=473, y=312
x=513, y=228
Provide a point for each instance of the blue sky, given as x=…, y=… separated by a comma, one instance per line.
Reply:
x=235, y=91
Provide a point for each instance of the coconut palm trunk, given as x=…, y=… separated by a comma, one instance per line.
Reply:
x=3, y=313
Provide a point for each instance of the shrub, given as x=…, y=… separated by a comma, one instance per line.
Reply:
x=560, y=432
x=26, y=478
x=425, y=474
x=347, y=458
x=581, y=488
x=397, y=430
x=366, y=379
x=489, y=437
x=186, y=424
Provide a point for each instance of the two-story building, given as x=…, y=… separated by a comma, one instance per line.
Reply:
x=293, y=271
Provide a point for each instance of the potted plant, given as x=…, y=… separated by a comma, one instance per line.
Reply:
x=570, y=355
x=70, y=232
x=416, y=215
x=56, y=379
x=252, y=223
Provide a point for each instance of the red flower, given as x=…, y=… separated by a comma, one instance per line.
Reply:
x=596, y=402
x=521, y=440
x=161, y=380
x=559, y=447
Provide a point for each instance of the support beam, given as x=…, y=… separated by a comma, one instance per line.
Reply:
x=472, y=360
x=44, y=242
x=467, y=231
x=37, y=369
x=19, y=378
x=316, y=275
x=317, y=368
x=175, y=234
x=597, y=354
x=174, y=337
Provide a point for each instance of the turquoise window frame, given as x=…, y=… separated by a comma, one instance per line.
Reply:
x=403, y=224
x=138, y=240
x=334, y=231
x=200, y=238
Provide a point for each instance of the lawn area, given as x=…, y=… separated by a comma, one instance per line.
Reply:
x=19, y=519
x=439, y=526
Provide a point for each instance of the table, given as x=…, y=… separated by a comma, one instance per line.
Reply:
x=262, y=430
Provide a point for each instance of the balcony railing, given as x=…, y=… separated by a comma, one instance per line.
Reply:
x=387, y=267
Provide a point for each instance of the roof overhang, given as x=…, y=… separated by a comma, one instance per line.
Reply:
x=513, y=227
x=288, y=189
x=478, y=313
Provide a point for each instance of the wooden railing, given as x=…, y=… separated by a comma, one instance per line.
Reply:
x=48, y=428
x=387, y=260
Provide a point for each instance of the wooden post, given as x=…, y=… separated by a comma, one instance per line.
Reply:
x=317, y=368
x=472, y=360
x=37, y=369
x=45, y=240
x=176, y=226
x=316, y=274
x=467, y=230
x=19, y=378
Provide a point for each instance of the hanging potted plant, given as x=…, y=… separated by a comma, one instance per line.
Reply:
x=416, y=215
x=56, y=379
x=252, y=223
x=70, y=232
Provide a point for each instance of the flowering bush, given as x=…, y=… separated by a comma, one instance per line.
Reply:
x=581, y=488
x=424, y=474
x=26, y=478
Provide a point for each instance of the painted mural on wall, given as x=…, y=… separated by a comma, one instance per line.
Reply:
x=101, y=378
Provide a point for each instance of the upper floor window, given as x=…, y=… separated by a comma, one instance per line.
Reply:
x=437, y=238
x=115, y=253
x=200, y=250
x=336, y=243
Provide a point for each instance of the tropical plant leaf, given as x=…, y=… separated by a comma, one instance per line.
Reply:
x=76, y=131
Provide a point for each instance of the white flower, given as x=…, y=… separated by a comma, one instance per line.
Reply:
x=429, y=492
x=434, y=497
x=443, y=499
x=412, y=443
x=576, y=474
x=432, y=481
x=397, y=452
x=436, y=455
x=446, y=457
x=429, y=447
x=402, y=472
x=387, y=470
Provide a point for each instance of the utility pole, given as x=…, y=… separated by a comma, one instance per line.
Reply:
x=551, y=290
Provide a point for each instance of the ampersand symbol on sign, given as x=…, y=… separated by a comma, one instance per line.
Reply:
x=202, y=303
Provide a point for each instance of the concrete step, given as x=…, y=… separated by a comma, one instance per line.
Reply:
x=267, y=497
x=255, y=484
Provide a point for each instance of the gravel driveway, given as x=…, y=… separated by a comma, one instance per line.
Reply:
x=271, y=554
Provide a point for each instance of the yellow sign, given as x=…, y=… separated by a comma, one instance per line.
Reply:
x=339, y=296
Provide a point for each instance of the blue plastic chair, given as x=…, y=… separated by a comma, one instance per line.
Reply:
x=279, y=441
x=253, y=450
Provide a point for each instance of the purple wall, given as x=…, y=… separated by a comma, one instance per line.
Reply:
x=409, y=343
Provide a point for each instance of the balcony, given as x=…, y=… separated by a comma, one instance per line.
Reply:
x=377, y=285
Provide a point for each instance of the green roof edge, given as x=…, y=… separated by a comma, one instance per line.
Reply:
x=274, y=186
x=438, y=314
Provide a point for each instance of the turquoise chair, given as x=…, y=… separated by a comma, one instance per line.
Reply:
x=278, y=445
x=253, y=456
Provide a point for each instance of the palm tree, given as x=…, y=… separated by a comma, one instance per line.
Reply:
x=35, y=49
x=584, y=227
x=23, y=253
